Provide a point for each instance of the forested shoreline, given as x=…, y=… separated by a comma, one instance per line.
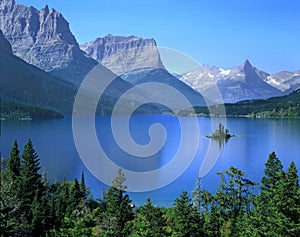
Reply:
x=32, y=206
x=15, y=111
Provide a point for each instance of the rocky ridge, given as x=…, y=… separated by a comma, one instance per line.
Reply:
x=123, y=54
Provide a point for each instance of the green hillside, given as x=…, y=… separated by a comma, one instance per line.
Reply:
x=276, y=107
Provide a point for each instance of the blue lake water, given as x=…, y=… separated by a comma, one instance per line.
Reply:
x=248, y=150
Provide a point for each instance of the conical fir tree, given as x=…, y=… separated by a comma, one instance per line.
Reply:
x=273, y=170
x=14, y=161
x=82, y=186
x=187, y=220
x=31, y=180
x=119, y=208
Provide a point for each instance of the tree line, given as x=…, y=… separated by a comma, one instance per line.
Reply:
x=32, y=206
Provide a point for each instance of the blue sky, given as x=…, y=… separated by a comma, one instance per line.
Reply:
x=215, y=32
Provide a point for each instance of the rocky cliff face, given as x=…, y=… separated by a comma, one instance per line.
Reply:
x=123, y=54
x=43, y=38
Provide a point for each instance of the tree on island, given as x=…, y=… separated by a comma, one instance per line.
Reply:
x=221, y=133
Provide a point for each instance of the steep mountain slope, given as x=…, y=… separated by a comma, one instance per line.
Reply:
x=4, y=44
x=235, y=84
x=123, y=54
x=43, y=38
x=162, y=76
x=26, y=84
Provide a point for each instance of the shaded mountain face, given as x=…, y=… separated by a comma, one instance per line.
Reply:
x=4, y=44
x=43, y=38
x=26, y=84
x=123, y=54
x=163, y=77
x=244, y=82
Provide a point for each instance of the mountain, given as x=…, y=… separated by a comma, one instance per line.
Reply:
x=123, y=54
x=284, y=81
x=5, y=46
x=163, y=77
x=43, y=38
x=26, y=84
x=244, y=82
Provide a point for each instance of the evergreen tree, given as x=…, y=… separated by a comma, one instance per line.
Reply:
x=83, y=187
x=40, y=216
x=235, y=193
x=148, y=221
x=273, y=168
x=75, y=198
x=14, y=161
x=187, y=221
x=277, y=208
x=288, y=201
x=30, y=180
x=118, y=212
x=212, y=224
x=10, y=207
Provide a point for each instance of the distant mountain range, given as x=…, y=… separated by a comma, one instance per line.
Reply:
x=244, y=82
x=42, y=64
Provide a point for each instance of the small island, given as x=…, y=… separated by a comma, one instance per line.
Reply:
x=221, y=133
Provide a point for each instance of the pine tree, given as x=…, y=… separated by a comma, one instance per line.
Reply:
x=118, y=208
x=235, y=193
x=187, y=220
x=148, y=221
x=273, y=168
x=83, y=187
x=40, y=216
x=277, y=207
x=10, y=207
x=14, y=161
x=31, y=180
x=287, y=199
x=75, y=198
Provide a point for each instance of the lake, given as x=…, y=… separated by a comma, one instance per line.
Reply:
x=248, y=150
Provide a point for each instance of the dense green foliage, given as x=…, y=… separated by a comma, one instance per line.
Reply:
x=14, y=111
x=31, y=206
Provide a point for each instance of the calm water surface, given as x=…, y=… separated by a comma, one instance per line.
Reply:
x=248, y=150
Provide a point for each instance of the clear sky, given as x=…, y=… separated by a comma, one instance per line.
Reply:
x=215, y=32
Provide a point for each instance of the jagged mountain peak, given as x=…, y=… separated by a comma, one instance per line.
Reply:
x=43, y=38
x=247, y=65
